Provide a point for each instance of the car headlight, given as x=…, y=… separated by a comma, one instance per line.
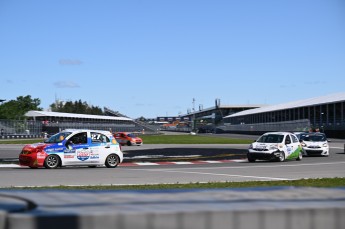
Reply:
x=251, y=146
x=325, y=145
x=303, y=144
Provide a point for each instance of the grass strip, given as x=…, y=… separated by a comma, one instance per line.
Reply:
x=322, y=182
x=21, y=141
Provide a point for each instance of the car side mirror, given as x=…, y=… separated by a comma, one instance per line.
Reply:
x=328, y=140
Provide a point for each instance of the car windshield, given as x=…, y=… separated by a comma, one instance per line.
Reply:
x=301, y=136
x=271, y=138
x=57, y=137
x=131, y=135
x=315, y=138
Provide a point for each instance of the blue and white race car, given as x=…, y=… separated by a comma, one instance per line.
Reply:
x=73, y=148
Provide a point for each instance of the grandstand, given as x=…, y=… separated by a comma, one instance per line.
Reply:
x=325, y=113
x=53, y=122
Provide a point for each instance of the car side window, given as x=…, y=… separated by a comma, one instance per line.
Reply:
x=287, y=140
x=80, y=138
x=294, y=138
x=99, y=138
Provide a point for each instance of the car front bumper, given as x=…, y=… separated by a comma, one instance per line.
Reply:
x=259, y=155
x=323, y=151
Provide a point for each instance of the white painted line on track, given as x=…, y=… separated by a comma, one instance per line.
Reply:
x=227, y=175
x=145, y=163
x=336, y=147
x=247, y=167
x=183, y=163
x=9, y=166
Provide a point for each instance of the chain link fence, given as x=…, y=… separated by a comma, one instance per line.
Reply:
x=20, y=127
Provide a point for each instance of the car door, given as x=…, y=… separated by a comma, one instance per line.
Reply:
x=100, y=147
x=292, y=146
x=77, y=149
x=289, y=146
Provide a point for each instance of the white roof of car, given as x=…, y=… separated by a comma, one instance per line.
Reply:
x=300, y=103
x=71, y=115
x=86, y=130
x=281, y=133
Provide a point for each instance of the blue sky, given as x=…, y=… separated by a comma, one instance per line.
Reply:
x=152, y=57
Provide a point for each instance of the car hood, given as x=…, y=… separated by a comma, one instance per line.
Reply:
x=36, y=146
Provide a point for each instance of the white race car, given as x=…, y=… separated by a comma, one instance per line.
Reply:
x=315, y=144
x=275, y=146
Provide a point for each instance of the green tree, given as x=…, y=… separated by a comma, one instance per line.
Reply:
x=76, y=107
x=16, y=109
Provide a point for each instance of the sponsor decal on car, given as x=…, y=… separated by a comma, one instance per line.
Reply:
x=83, y=155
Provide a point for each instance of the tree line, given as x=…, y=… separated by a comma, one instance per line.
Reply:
x=16, y=109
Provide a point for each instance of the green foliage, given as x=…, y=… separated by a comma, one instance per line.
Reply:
x=322, y=182
x=77, y=107
x=16, y=109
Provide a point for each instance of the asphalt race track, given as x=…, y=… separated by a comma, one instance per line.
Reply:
x=198, y=166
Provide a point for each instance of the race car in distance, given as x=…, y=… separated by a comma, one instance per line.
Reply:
x=275, y=146
x=315, y=144
x=125, y=138
x=73, y=148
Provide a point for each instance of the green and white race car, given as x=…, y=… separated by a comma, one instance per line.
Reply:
x=277, y=146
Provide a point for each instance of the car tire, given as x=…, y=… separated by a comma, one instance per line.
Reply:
x=112, y=161
x=281, y=157
x=300, y=156
x=129, y=143
x=51, y=162
x=250, y=159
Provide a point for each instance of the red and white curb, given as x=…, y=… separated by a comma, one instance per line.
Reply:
x=129, y=164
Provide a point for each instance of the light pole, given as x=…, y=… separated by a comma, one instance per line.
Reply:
x=193, y=118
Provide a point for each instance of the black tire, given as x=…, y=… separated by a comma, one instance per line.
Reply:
x=52, y=162
x=112, y=161
x=250, y=159
x=300, y=156
x=281, y=157
x=129, y=143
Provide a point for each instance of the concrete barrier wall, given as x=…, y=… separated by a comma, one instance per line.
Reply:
x=274, y=208
x=321, y=218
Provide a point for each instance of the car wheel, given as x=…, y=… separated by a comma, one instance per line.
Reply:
x=281, y=157
x=129, y=143
x=51, y=162
x=299, y=158
x=250, y=159
x=112, y=161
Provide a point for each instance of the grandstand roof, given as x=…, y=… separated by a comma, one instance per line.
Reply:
x=300, y=103
x=70, y=115
x=225, y=107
